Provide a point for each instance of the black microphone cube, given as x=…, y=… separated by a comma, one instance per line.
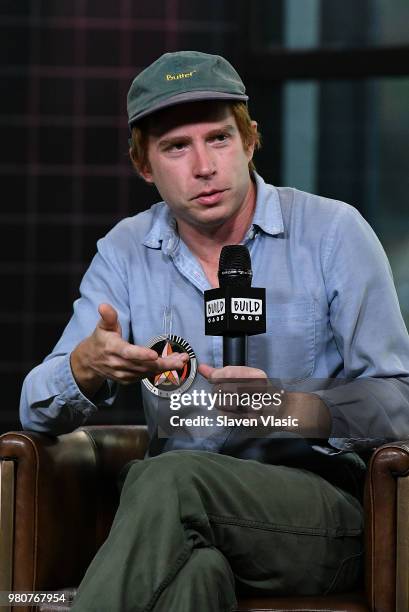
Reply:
x=235, y=311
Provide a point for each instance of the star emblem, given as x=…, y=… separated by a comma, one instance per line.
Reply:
x=170, y=375
x=164, y=384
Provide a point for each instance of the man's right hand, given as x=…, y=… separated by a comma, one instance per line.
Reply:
x=106, y=355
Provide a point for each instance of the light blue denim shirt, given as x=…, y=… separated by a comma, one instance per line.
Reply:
x=332, y=313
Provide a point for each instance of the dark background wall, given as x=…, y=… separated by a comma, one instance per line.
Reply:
x=65, y=69
x=65, y=174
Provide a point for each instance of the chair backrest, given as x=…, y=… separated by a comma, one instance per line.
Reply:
x=65, y=498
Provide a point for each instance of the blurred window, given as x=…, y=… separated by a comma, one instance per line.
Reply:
x=306, y=24
x=334, y=84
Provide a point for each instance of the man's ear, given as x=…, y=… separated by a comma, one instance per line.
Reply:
x=143, y=171
x=146, y=173
x=251, y=145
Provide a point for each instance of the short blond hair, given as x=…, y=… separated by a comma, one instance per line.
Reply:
x=140, y=133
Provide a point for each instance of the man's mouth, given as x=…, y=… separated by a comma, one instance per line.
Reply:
x=212, y=196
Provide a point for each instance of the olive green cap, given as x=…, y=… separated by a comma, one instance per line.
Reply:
x=183, y=76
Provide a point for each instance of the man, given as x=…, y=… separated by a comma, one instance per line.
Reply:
x=204, y=515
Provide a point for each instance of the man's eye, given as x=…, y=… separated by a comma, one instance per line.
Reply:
x=177, y=146
x=220, y=137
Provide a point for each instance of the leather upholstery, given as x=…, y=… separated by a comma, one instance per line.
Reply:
x=65, y=499
x=387, y=464
x=66, y=496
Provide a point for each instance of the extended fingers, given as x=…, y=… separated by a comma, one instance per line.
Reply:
x=229, y=372
x=206, y=370
x=136, y=353
x=148, y=359
x=176, y=361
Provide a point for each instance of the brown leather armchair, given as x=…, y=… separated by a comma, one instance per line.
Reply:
x=58, y=497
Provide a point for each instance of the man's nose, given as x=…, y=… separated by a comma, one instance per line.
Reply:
x=203, y=164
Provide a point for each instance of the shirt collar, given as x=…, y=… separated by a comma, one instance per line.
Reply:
x=163, y=233
x=267, y=216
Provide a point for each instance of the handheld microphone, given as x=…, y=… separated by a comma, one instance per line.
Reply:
x=235, y=310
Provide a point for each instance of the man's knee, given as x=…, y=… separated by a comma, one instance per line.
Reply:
x=209, y=562
x=206, y=581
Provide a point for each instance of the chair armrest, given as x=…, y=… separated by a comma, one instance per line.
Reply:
x=65, y=498
x=388, y=469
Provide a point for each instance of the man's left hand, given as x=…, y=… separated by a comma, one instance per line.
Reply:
x=312, y=414
x=228, y=372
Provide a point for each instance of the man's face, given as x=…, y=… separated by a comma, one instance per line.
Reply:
x=198, y=163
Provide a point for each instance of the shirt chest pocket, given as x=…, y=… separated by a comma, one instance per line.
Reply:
x=287, y=350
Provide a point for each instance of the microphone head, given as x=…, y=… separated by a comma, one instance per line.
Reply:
x=235, y=266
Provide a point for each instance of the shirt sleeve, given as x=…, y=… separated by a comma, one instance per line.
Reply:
x=51, y=401
x=371, y=406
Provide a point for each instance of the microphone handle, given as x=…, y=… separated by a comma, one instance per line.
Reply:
x=235, y=350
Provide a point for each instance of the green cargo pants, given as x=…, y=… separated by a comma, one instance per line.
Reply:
x=193, y=526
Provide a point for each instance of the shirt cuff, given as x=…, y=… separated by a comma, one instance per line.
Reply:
x=339, y=438
x=71, y=394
